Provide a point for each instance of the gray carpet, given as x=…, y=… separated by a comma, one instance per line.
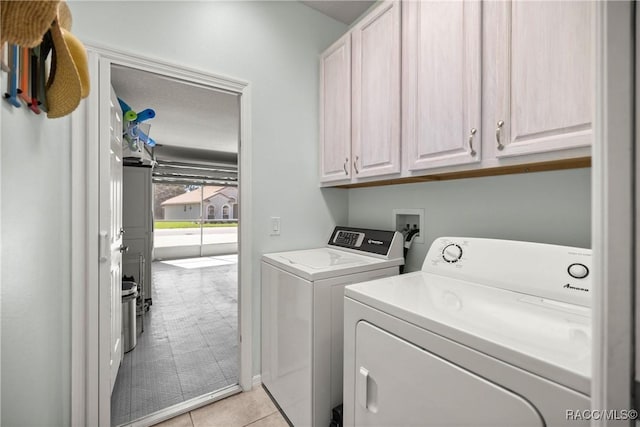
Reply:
x=190, y=342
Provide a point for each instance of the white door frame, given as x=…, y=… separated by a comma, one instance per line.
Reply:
x=89, y=406
x=612, y=211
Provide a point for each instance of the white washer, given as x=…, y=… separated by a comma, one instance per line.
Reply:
x=302, y=317
x=490, y=333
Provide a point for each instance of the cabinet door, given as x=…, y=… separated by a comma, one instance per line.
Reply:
x=545, y=60
x=441, y=83
x=335, y=111
x=376, y=92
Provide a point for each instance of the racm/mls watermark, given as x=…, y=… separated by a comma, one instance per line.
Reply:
x=601, y=414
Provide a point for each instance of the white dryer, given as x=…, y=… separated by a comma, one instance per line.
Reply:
x=302, y=317
x=490, y=333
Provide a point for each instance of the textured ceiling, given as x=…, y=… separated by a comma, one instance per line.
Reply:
x=186, y=115
x=345, y=11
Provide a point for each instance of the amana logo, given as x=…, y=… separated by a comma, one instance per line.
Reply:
x=375, y=242
x=575, y=288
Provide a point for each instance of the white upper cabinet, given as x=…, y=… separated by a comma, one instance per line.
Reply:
x=441, y=83
x=443, y=87
x=376, y=92
x=335, y=111
x=543, y=76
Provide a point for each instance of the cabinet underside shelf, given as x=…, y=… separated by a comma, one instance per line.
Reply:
x=577, y=163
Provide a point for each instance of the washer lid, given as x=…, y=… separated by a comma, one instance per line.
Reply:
x=323, y=263
x=547, y=337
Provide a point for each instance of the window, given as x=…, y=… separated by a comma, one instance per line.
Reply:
x=235, y=211
x=184, y=216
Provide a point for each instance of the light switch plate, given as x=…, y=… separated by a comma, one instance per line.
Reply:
x=275, y=226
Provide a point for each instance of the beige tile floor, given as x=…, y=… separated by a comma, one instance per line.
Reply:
x=253, y=408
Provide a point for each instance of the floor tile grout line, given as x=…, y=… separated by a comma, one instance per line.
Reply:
x=207, y=346
x=164, y=337
x=261, y=418
x=173, y=355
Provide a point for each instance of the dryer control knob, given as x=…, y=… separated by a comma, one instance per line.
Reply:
x=452, y=253
x=578, y=271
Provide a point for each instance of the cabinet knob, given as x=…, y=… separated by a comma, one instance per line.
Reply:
x=355, y=166
x=471, y=133
x=344, y=166
x=498, y=128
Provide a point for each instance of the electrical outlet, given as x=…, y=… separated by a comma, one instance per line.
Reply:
x=275, y=226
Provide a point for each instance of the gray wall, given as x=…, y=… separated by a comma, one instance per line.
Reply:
x=35, y=294
x=275, y=46
x=548, y=207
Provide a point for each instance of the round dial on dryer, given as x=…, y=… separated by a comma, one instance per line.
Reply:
x=578, y=271
x=452, y=253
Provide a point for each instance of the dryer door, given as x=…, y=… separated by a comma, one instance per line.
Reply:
x=398, y=383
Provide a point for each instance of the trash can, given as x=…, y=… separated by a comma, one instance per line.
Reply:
x=129, y=295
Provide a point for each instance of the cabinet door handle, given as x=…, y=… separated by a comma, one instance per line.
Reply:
x=473, y=132
x=500, y=144
x=344, y=166
x=355, y=166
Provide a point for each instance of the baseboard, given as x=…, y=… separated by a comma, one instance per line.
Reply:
x=190, y=405
x=257, y=380
x=184, y=407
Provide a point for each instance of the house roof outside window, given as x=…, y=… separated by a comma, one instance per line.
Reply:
x=193, y=197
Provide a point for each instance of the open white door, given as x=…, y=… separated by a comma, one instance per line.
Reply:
x=110, y=284
x=115, y=234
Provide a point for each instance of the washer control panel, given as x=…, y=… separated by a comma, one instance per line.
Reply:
x=378, y=243
x=353, y=239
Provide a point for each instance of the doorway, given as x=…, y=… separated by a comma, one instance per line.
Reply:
x=98, y=387
x=183, y=341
